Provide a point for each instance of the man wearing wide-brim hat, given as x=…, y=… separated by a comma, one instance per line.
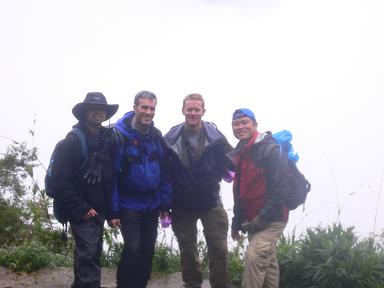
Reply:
x=94, y=100
x=84, y=184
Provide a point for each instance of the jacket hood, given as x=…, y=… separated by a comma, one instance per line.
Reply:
x=124, y=124
x=213, y=134
x=264, y=136
x=260, y=138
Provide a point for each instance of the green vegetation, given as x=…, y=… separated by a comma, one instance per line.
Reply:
x=236, y=263
x=331, y=257
x=30, y=239
x=110, y=257
x=31, y=256
x=166, y=259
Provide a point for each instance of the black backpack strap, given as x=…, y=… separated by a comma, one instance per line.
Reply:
x=83, y=142
x=269, y=148
x=260, y=153
x=120, y=140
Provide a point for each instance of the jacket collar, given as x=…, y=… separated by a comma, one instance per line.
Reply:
x=211, y=131
x=124, y=124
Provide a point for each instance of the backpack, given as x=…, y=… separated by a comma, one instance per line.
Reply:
x=299, y=186
x=58, y=209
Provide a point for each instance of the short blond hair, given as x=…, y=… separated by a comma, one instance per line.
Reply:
x=193, y=96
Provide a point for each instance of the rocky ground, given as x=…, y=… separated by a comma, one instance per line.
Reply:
x=61, y=277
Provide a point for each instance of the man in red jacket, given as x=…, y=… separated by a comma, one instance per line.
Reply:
x=260, y=189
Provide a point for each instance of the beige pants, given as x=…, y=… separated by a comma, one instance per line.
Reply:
x=261, y=267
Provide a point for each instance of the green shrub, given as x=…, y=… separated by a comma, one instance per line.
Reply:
x=111, y=256
x=331, y=257
x=31, y=256
x=166, y=259
x=25, y=224
x=12, y=227
x=236, y=264
x=202, y=250
x=290, y=262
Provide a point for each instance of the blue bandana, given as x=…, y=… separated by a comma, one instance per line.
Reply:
x=243, y=112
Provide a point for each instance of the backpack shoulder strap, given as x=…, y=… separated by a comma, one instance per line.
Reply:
x=270, y=148
x=83, y=142
x=265, y=152
x=120, y=139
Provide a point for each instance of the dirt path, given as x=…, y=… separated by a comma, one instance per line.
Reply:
x=62, y=277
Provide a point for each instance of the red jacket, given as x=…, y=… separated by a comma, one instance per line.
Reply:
x=261, y=181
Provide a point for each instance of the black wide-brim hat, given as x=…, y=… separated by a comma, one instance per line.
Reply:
x=97, y=99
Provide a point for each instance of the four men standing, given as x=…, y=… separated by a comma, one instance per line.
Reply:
x=133, y=175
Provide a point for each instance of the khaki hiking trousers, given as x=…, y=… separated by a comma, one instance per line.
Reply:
x=261, y=267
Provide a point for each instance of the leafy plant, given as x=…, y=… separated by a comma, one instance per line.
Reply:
x=236, y=263
x=16, y=165
x=166, y=259
x=31, y=256
x=111, y=256
x=26, y=227
x=12, y=227
x=331, y=257
x=203, y=255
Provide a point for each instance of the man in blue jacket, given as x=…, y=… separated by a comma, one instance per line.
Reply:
x=198, y=162
x=142, y=190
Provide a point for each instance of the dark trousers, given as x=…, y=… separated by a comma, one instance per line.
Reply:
x=88, y=236
x=215, y=224
x=139, y=230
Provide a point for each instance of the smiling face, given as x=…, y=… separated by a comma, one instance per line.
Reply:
x=193, y=111
x=95, y=115
x=244, y=128
x=145, y=111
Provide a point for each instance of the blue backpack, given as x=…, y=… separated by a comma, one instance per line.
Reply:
x=299, y=186
x=58, y=210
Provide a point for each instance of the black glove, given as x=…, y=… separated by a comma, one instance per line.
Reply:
x=94, y=172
